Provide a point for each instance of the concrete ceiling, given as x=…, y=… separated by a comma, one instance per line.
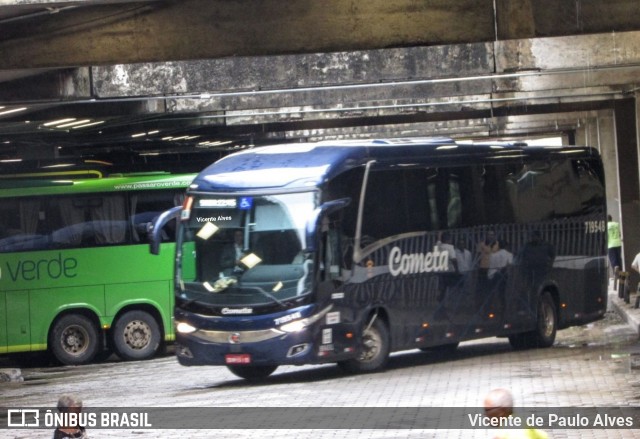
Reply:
x=178, y=77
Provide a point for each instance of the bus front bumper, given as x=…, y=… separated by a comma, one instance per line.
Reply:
x=284, y=348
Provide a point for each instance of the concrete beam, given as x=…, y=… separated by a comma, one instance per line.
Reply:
x=516, y=127
x=92, y=32
x=569, y=52
x=247, y=74
x=205, y=29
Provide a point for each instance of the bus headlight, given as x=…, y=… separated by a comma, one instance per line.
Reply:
x=185, y=328
x=299, y=325
x=295, y=326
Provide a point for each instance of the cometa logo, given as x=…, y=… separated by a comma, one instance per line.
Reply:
x=226, y=311
x=417, y=262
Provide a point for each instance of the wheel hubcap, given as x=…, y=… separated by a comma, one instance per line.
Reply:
x=137, y=334
x=74, y=340
x=371, y=345
x=547, y=320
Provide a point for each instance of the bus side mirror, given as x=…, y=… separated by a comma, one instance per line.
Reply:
x=314, y=222
x=154, y=229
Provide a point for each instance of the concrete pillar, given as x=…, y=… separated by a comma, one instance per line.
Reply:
x=587, y=132
x=599, y=132
x=626, y=120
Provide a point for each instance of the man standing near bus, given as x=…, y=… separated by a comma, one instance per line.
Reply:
x=614, y=242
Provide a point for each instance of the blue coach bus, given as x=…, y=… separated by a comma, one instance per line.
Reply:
x=347, y=251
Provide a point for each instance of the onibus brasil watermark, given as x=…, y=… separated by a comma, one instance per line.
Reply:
x=35, y=418
x=264, y=418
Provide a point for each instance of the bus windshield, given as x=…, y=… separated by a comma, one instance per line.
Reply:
x=246, y=250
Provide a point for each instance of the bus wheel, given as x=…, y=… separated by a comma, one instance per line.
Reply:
x=545, y=333
x=252, y=373
x=74, y=339
x=136, y=336
x=374, y=351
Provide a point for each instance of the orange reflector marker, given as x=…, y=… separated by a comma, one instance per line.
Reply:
x=349, y=335
x=425, y=325
x=186, y=209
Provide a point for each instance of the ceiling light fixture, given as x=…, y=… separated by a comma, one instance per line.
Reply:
x=90, y=124
x=70, y=124
x=59, y=121
x=13, y=110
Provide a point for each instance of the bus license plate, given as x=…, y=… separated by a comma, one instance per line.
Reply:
x=237, y=358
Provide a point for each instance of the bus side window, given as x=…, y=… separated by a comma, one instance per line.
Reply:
x=145, y=206
x=397, y=202
x=590, y=184
x=497, y=195
x=445, y=198
x=22, y=231
x=108, y=223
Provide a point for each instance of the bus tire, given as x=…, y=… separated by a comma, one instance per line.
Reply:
x=546, y=326
x=74, y=339
x=252, y=373
x=374, y=351
x=136, y=335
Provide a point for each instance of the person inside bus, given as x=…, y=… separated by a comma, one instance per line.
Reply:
x=231, y=255
x=499, y=263
x=463, y=256
x=485, y=248
x=449, y=278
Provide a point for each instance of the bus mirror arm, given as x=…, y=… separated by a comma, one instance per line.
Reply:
x=154, y=228
x=319, y=213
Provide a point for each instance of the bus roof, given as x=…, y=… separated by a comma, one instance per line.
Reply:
x=39, y=187
x=300, y=165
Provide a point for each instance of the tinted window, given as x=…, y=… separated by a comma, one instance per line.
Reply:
x=39, y=223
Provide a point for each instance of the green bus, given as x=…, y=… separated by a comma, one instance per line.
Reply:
x=76, y=276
